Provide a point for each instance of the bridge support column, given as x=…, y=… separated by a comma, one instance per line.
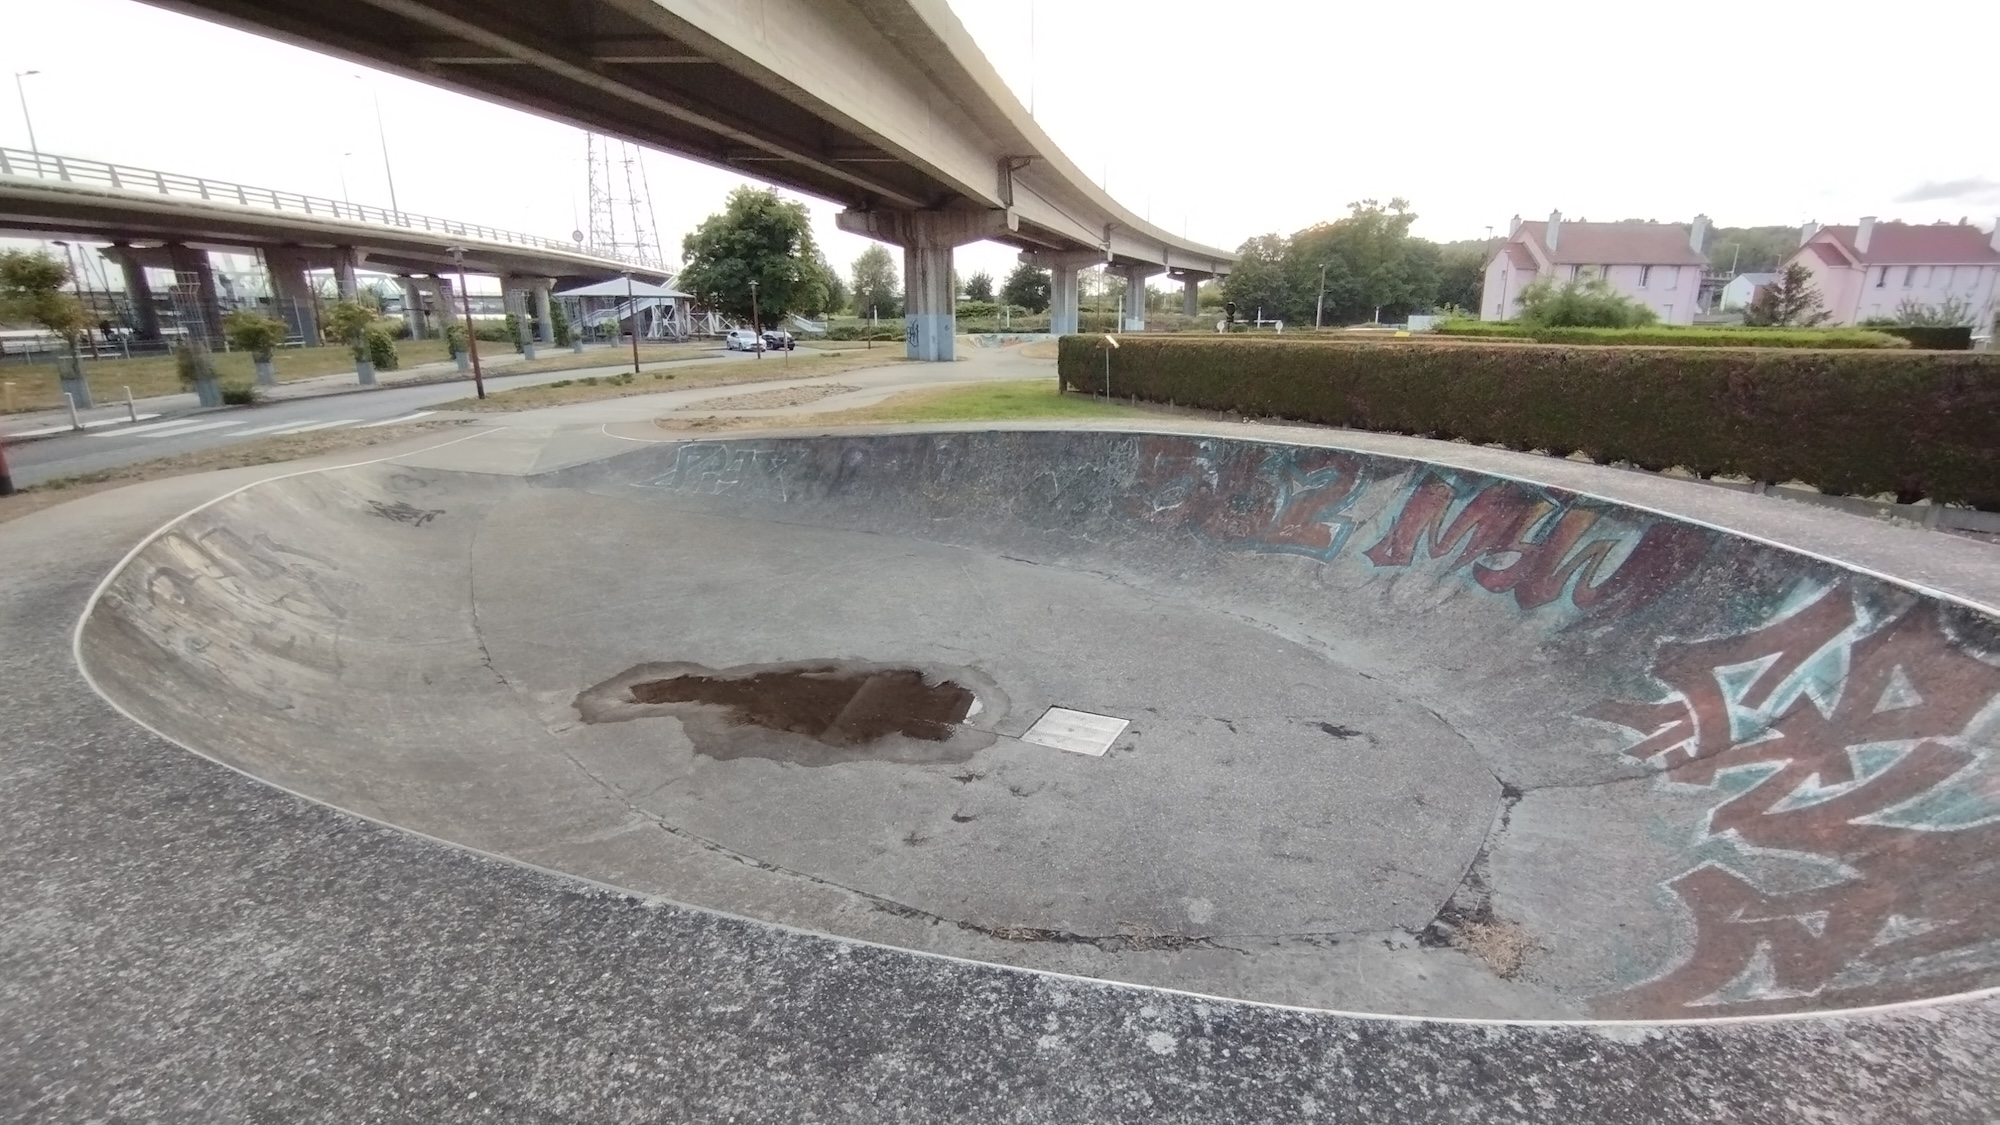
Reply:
x=196, y=302
x=1064, y=291
x=545, y=323
x=1133, y=317
x=413, y=307
x=292, y=290
x=514, y=296
x=139, y=291
x=1191, y=295
x=345, y=263
x=930, y=307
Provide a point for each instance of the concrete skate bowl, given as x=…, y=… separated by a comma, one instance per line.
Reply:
x=1402, y=739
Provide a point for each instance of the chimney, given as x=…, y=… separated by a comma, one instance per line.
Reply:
x=1864, y=233
x=1554, y=231
x=1698, y=233
x=1806, y=232
x=1514, y=226
x=1995, y=240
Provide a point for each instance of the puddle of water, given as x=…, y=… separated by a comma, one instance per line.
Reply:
x=810, y=713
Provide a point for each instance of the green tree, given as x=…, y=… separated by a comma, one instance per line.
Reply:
x=1790, y=302
x=1260, y=280
x=876, y=288
x=31, y=289
x=1750, y=249
x=1592, y=303
x=979, y=287
x=1952, y=312
x=1371, y=263
x=757, y=237
x=348, y=322
x=1027, y=287
x=1462, y=273
x=248, y=330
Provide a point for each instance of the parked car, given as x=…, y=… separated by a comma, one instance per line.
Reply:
x=742, y=340
x=779, y=340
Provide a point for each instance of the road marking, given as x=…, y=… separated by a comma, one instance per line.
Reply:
x=169, y=429
x=266, y=429
x=315, y=426
x=393, y=421
x=98, y=424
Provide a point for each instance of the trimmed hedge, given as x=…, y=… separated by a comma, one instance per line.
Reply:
x=1681, y=337
x=1861, y=422
x=1958, y=339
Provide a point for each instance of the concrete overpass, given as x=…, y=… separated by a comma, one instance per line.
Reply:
x=167, y=220
x=887, y=106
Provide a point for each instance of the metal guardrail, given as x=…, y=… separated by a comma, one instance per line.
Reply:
x=124, y=177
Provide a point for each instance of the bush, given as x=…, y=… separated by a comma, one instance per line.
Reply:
x=1956, y=338
x=1581, y=304
x=863, y=332
x=192, y=363
x=1664, y=337
x=1856, y=422
x=248, y=330
x=381, y=345
x=454, y=339
x=239, y=394
x=495, y=331
x=559, y=325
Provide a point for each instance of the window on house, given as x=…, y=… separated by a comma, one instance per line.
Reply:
x=1909, y=276
x=1882, y=278
x=1645, y=275
x=1604, y=272
x=1572, y=273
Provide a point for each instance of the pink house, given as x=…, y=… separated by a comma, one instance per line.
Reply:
x=1657, y=264
x=1872, y=268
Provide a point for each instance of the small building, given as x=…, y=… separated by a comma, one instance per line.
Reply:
x=1657, y=264
x=1873, y=269
x=1740, y=290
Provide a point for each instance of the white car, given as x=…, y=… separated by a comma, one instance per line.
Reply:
x=742, y=340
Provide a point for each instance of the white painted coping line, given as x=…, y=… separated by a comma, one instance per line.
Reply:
x=76, y=654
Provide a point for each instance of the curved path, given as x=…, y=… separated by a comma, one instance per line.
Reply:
x=182, y=942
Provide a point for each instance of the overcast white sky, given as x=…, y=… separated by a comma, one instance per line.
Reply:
x=1223, y=120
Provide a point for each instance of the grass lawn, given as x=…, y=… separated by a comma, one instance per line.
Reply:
x=979, y=402
x=36, y=386
x=800, y=365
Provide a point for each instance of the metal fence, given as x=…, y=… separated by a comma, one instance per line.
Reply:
x=151, y=181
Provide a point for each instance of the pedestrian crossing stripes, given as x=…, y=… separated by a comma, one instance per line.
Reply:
x=236, y=428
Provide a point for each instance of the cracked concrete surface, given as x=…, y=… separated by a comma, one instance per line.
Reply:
x=487, y=971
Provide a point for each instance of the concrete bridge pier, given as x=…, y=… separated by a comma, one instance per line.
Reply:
x=292, y=289
x=194, y=283
x=545, y=324
x=1133, y=317
x=413, y=307
x=514, y=295
x=930, y=307
x=1191, y=295
x=1064, y=291
x=345, y=263
x=138, y=290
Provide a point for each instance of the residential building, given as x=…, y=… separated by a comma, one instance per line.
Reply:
x=1657, y=264
x=1873, y=269
x=1740, y=290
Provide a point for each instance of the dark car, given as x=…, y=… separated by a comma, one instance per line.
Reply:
x=779, y=340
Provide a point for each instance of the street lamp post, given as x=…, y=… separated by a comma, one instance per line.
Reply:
x=21, y=92
x=756, y=325
x=471, y=337
x=382, y=136
x=632, y=310
x=1319, y=306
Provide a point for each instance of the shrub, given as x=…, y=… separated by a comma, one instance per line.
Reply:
x=863, y=332
x=1664, y=337
x=381, y=345
x=1955, y=338
x=1581, y=304
x=248, y=330
x=559, y=325
x=239, y=394
x=192, y=363
x=348, y=322
x=454, y=339
x=1857, y=422
x=495, y=331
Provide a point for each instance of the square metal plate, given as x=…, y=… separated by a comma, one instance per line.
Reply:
x=1078, y=732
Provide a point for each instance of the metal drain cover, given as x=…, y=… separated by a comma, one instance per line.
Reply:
x=1078, y=732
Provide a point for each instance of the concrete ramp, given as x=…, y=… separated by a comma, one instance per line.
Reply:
x=1396, y=738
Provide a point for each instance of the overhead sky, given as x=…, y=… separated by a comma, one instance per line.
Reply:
x=1224, y=121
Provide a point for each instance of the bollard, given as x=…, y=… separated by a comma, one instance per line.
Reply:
x=9, y=395
x=131, y=408
x=75, y=423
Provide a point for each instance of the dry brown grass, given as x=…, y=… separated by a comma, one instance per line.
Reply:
x=1504, y=946
x=263, y=451
x=776, y=399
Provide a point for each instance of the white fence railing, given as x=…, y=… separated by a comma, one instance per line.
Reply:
x=151, y=181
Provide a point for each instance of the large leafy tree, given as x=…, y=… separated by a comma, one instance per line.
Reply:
x=876, y=285
x=31, y=289
x=1462, y=273
x=1260, y=279
x=1372, y=262
x=1027, y=287
x=979, y=287
x=757, y=237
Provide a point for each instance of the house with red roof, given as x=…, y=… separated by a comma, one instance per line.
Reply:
x=1875, y=268
x=1657, y=264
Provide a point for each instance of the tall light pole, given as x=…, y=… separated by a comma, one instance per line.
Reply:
x=756, y=326
x=1319, y=306
x=383, y=136
x=21, y=92
x=471, y=338
x=632, y=310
